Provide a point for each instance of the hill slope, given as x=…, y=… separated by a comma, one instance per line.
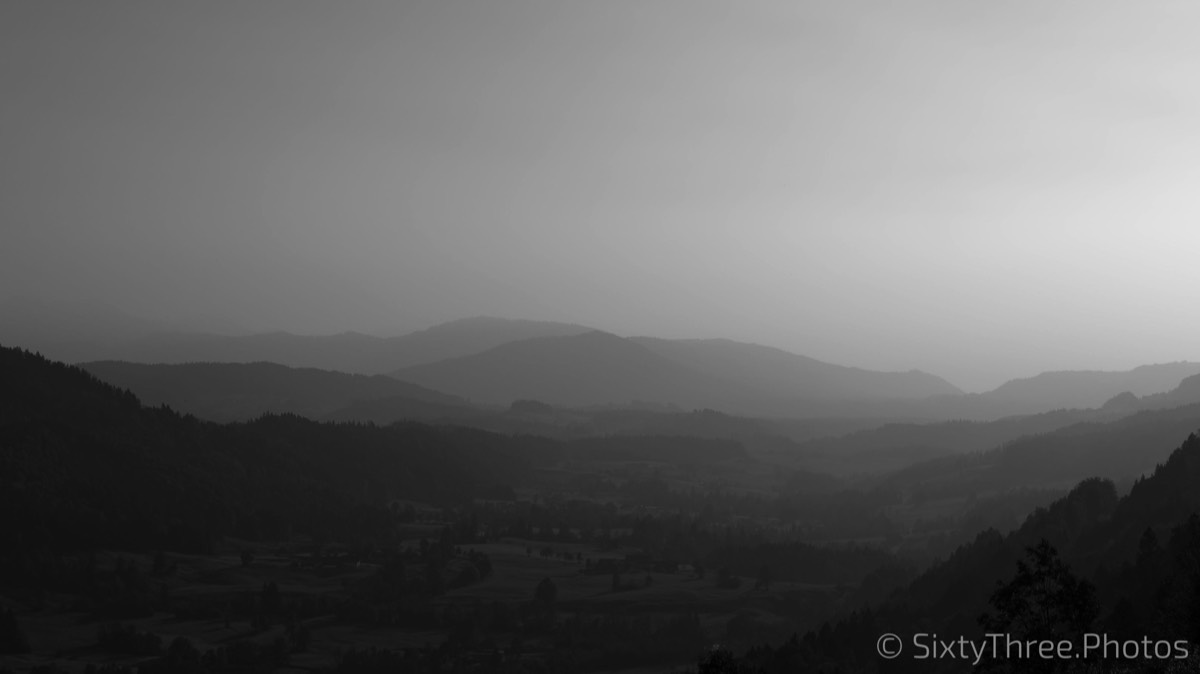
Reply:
x=1083, y=389
x=78, y=332
x=598, y=368
x=595, y=368
x=788, y=375
x=1137, y=553
x=1127, y=447
x=243, y=391
x=84, y=464
x=345, y=352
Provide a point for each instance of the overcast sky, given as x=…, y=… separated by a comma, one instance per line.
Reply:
x=978, y=189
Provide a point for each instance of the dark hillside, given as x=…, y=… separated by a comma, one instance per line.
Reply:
x=84, y=464
x=1131, y=561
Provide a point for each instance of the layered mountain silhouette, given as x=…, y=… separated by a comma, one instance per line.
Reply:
x=877, y=445
x=81, y=332
x=243, y=391
x=87, y=464
x=1123, y=448
x=1066, y=390
x=88, y=467
x=237, y=391
x=1081, y=389
x=786, y=374
x=598, y=368
x=595, y=368
x=1187, y=393
x=498, y=361
x=346, y=352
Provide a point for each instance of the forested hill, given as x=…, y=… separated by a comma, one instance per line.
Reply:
x=82, y=463
x=1135, y=559
x=242, y=391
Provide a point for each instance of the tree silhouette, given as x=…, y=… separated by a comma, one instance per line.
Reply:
x=717, y=661
x=1044, y=601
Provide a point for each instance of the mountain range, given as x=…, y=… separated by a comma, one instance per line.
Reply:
x=495, y=361
x=80, y=331
x=1060, y=390
x=598, y=368
x=88, y=467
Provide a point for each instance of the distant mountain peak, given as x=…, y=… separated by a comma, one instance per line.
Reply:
x=596, y=367
x=484, y=321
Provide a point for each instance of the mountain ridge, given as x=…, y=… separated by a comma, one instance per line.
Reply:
x=598, y=368
x=225, y=392
x=739, y=377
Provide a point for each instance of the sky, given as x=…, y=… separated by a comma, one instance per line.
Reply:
x=982, y=190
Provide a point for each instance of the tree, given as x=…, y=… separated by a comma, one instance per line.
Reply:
x=717, y=661
x=1045, y=600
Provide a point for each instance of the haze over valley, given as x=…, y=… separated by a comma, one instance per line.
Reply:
x=534, y=337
